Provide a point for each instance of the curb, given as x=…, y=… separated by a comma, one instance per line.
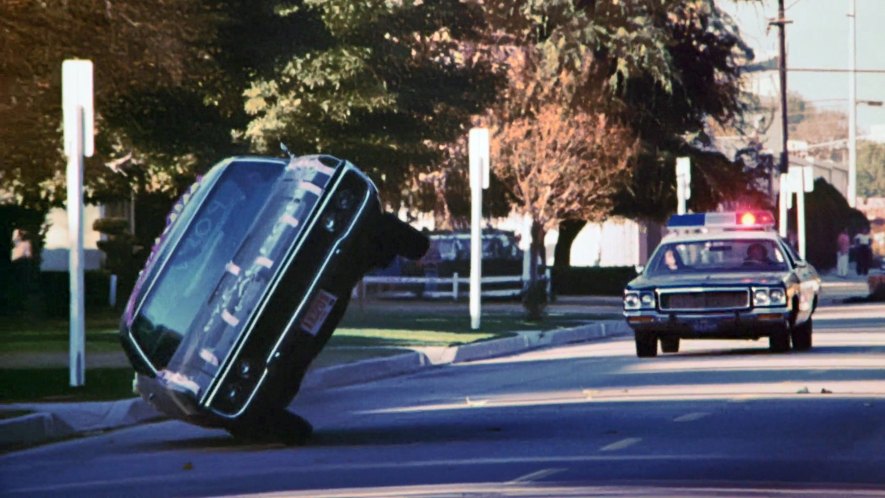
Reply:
x=57, y=420
x=392, y=366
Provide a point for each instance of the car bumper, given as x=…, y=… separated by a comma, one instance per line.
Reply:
x=736, y=324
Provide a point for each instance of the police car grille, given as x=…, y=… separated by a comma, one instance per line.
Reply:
x=705, y=300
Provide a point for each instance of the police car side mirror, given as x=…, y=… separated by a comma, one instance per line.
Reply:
x=639, y=268
x=801, y=263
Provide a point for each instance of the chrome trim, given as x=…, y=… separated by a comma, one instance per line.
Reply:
x=681, y=290
x=209, y=397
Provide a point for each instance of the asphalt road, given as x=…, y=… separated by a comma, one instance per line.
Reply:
x=721, y=417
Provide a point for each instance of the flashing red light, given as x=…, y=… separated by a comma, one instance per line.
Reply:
x=748, y=219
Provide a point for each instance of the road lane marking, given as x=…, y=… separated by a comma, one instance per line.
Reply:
x=620, y=445
x=691, y=417
x=535, y=476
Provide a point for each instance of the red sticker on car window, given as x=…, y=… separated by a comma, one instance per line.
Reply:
x=317, y=312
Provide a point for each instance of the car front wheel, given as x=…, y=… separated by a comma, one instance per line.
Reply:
x=779, y=341
x=670, y=344
x=646, y=345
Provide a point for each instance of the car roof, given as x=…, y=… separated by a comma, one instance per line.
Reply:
x=721, y=235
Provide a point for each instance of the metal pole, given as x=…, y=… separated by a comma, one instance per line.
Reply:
x=800, y=214
x=475, y=247
x=785, y=154
x=77, y=335
x=782, y=202
x=852, y=107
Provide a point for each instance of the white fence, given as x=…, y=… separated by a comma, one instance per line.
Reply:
x=437, y=287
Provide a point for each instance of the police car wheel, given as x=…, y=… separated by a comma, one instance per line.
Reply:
x=779, y=341
x=670, y=344
x=646, y=345
x=801, y=335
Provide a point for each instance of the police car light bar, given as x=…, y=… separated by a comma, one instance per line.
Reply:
x=740, y=220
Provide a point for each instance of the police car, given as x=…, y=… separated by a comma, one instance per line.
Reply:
x=722, y=276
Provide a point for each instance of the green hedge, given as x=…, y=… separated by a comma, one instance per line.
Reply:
x=55, y=291
x=604, y=281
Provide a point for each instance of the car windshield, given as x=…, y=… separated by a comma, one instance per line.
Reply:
x=210, y=242
x=718, y=256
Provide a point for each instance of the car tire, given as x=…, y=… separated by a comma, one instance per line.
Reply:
x=779, y=341
x=670, y=344
x=646, y=345
x=801, y=335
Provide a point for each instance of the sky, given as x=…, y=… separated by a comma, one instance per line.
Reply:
x=818, y=37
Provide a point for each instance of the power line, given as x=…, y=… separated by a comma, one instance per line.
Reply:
x=833, y=70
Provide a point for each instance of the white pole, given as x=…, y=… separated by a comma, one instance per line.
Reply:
x=77, y=331
x=475, y=249
x=478, y=150
x=800, y=213
x=78, y=117
x=782, y=205
x=852, y=107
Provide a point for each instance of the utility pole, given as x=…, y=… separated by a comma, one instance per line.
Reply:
x=781, y=22
x=852, y=108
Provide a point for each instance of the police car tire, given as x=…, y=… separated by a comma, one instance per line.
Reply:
x=802, y=336
x=646, y=345
x=670, y=344
x=779, y=341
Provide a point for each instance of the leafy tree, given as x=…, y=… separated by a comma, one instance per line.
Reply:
x=134, y=45
x=653, y=72
x=389, y=87
x=826, y=213
x=870, y=169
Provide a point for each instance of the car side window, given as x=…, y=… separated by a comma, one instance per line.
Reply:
x=794, y=257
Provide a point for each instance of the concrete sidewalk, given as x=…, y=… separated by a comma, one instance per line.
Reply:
x=52, y=421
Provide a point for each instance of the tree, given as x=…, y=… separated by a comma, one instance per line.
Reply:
x=705, y=54
x=870, y=169
x=652, y=72
x=558, y=166
x=134, y=45
x=389, y=88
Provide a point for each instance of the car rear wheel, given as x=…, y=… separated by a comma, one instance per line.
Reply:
x=802, y=335
x=646, y=345
x=670, y=344
x=779, y=341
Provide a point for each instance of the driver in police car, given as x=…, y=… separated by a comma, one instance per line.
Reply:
x=757, y=253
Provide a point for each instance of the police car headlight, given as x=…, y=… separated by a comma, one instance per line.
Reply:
x=647, y=299
x=778, y=297
x=761, y=297
x=631, y=301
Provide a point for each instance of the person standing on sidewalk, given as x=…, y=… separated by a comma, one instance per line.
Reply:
x=864, y=250
x=843, y=245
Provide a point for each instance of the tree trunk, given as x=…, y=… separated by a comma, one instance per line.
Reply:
x=535, y=297
x=568, y=232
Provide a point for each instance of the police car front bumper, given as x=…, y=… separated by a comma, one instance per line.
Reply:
x=751, y=324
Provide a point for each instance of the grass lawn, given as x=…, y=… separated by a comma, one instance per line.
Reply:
x=51, y=384
x=32, y=334
x=379, y=330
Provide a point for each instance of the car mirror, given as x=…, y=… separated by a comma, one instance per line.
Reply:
x=639, y=268
x=801, y=263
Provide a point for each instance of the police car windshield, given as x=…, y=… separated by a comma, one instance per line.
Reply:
x=717, y=256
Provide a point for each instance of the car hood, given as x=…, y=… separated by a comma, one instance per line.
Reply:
x=708, y=280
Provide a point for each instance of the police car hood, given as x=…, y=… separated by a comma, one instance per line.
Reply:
x=725, y=279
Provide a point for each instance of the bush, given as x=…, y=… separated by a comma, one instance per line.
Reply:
x=55, y=291
x=604, y=281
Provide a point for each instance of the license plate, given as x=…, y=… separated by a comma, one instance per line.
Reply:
x=704, y=326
